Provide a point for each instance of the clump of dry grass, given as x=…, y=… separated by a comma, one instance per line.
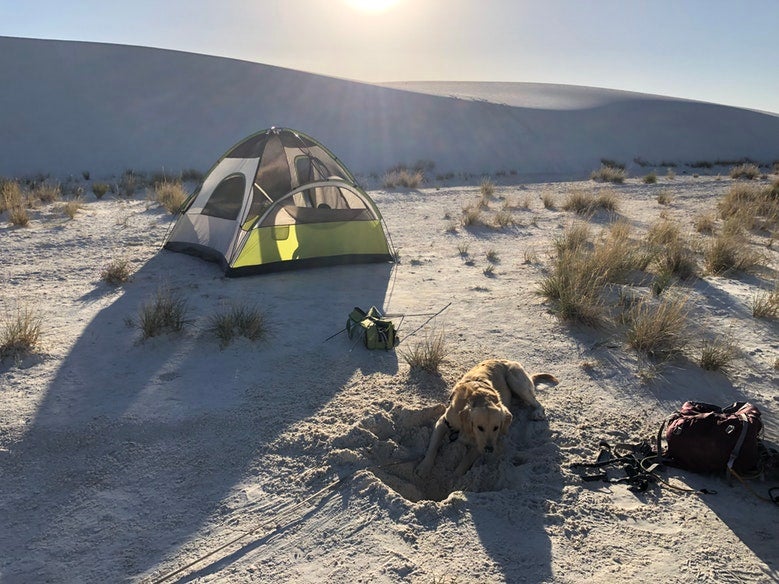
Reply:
x=170, y=194
x=610, y=174
x=70, y=208
x=664, y=198
x=752, y=206
x=730, y=251
x=165, y=312
x=503, y=218
x=548, y=201
x=12, y=199
x=129, y=183
x=239, y=321
x=428, y=353
x=765, y=304
x=576, y=281
x=46, y=192
x=20, y=333
x=472, y=216
x=717, y=354
x=402, y=177
x=748, y=171
x=671, y=251
x=487, y=188
x=100, y=189
x=658, y=328
x=704, y=223
x=587, y=203
x=650, y=178
x=116, y=272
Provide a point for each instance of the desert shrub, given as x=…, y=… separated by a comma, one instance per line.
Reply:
x=20, y=333
x=489, y=270
x=70, y=208
x=116, y=272
x=129, y=183
x=549, y=201
x=164, y=313
x=46, y=192
x=10, y=195
x=239, y=321
x=750, y=205
x=670, y=174
x=170, y=194
x=574, y=238
x=402, y=177
x=704, y=223
x=504, y=218
x=12, y=200
x=671, y=251
x=576, y=281
x=428, y=353
x=747, y=170
x=487, y=188
x=658, y=328
x=730, y=252
x=650, y=178
x=616, y=255
x=100, y=189
x=717, y=354
x=18, y=216
x=664, y=198
x=587, y=203
x=765, y=304
x=610, y=174
x=575, y=287
x=471, y=216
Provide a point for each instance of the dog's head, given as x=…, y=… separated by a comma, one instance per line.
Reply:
x=486, y=424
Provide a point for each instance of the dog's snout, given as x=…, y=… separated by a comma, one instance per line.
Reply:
x=488, y=449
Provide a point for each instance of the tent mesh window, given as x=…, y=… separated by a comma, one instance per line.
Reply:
x=225, y=202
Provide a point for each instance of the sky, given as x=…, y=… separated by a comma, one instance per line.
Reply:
x=710, y=50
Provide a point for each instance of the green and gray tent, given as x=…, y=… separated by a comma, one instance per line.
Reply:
x=279, y=200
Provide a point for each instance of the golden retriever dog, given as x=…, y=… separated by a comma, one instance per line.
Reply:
x=478, y=409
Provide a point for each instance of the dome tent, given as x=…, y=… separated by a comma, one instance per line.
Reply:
x=279, y=200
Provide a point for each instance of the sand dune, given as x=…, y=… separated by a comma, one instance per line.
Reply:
x=290, y=459
x=76, y=106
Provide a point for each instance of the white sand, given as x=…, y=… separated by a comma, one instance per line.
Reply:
x=123, y=461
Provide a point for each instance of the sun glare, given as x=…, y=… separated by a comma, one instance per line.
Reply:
x=372, y=5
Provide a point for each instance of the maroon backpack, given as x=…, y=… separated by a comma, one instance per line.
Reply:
x=706, y=438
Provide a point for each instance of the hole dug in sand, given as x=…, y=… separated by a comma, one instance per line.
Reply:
x=394, y=440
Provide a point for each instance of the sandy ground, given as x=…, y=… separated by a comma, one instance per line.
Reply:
x=290, y=459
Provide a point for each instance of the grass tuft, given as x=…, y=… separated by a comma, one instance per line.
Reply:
x=239, y=321
x=164, y=313
x=170, y=194
x=717, y=354
x=20, y=334
x=658, y=328
x=116, y=272
x=428, y=353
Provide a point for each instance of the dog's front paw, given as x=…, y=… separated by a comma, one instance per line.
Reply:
x=538, y=414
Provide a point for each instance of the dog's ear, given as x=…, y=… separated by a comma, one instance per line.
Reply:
x=465, y=417
x=507, y=419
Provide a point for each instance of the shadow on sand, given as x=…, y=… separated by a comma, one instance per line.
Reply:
x=135, y=445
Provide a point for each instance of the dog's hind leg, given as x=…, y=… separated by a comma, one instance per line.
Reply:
x=432, y=450
x=523, y=387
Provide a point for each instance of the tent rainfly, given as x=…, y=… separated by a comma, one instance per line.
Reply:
x=279, y=200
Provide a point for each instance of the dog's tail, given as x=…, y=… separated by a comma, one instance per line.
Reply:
x=548, y=377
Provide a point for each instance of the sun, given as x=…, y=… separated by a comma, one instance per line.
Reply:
x=372, y=5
